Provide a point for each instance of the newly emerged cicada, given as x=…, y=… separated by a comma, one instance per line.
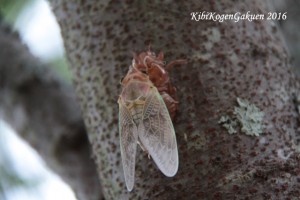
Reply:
x=144, y=118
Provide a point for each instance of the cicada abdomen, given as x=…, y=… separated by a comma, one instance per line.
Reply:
x=144, y=119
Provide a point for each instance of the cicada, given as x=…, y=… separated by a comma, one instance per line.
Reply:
x=144, y=117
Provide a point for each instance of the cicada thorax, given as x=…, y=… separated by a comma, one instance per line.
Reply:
x=134, y=95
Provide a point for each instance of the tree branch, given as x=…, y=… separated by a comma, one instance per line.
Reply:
x=43, y=110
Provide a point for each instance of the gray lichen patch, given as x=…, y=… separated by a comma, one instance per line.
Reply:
x=237, y=177
x=248, y=116
x=229, y=124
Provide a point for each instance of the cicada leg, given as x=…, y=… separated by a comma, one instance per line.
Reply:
x=175, y=62
x=171, y=104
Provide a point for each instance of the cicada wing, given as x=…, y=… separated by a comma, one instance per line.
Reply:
x=157, y=134
x=128, y=143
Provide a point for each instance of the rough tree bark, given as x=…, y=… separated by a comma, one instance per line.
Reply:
x=227, y=61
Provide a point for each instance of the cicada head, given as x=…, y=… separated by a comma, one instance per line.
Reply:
x=134, y=74
x=135, y=84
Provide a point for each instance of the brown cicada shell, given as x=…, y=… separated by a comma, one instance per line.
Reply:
x=155, y=67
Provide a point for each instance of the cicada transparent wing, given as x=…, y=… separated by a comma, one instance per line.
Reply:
x=128, y=141
x=157, y=134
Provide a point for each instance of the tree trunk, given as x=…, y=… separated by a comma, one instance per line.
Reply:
x=228, y=60
x=245, y=60
x=237, y=124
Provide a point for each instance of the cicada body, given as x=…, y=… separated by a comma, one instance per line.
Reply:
x=144, y=119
